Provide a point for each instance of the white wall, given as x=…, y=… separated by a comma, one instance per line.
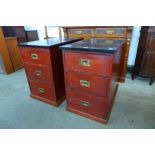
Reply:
x=40, y=29
x=134, y=45
x=53, y=31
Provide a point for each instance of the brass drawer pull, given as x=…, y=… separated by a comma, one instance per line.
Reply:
x=84, y=103
x=85, y=62
x=79, y=32
x=41, y=90
x=109, y=41
x=34, y=56
x=38, y=73
x=110, y=31
x=84, y=83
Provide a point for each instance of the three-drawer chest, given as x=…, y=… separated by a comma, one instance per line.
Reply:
x=92, y=69
x=44, y=69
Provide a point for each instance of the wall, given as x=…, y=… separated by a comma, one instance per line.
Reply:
x=134, y=45
x=53, y=31
x=40, y=29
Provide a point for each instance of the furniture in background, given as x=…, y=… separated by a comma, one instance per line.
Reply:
x=10, y=58
x=25, y=36
x=14, y=53
x=92, y=70
x=109, y=32
x=20, y=32
x=145, y=59
x=44, y=69
x=32, y=35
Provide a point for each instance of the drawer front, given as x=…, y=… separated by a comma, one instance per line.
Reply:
x=77, y=33
x=109, y=41
x=110, y=31
x=38, y=73
x=36, y=55
x=42, y=89
x=88, y=63
x=80, y=31
x=82, y=102
x=96, y=85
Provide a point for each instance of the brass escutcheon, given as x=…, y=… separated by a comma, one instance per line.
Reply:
x=34, y=56
x=84, y=103
x=85, y=62
x=38, y=73
x=84, y=83
x=110, y=31
x=41, y=90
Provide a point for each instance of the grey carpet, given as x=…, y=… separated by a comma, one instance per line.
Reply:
x=134, y=107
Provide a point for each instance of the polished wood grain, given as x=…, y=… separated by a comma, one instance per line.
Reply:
x=42, y=55
x=99, y=65
x=58, y=72
x=14, y=53
x=93, y=99
x=95, y=106
x=38, y=73
x=41, y=89
x=95, y=85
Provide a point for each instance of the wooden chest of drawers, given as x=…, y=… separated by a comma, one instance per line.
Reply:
x=10, y=58
x=145, y=59
x=44, y=69
x=92, y=70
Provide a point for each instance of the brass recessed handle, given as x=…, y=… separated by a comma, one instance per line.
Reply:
x=84, y=103
x=34, y=56
x=38, y=73
x=79, y=32
x=41, y=90
x=85, y=62
x=110, y=31
x=84, y=83
x=109, y=41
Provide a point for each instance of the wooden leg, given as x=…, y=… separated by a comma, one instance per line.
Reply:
x=132, y=75
x=151, y=81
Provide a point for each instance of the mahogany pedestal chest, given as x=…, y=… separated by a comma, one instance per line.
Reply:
x=44, y=69
x=92, y=71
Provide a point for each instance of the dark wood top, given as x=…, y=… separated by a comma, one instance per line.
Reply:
x=78, y=27
x=47, y=43
x=95, y=45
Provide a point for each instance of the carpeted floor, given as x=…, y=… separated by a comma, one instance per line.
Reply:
x=134, y=107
